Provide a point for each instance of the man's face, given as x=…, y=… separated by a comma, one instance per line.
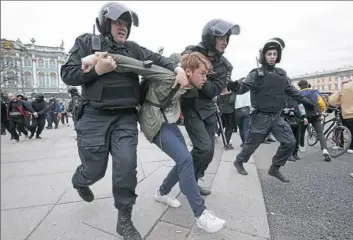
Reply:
x=119, y=30
x=11, y=96
x=271, y=56
x=221, y=44
x=198, y=77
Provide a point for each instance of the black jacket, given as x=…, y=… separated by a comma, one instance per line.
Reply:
x=226, y=103
x=113, y=89
x=273, y=99
x=39, y=106
x=201, y=100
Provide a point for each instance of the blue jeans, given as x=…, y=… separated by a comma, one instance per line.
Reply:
x=171, y=141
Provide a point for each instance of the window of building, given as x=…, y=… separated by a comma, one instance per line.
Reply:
x=9, y=62
x=336, y=86
x=52, y=63
x=28, y=78
x=323, y=80
x=11, y=79
x=329, y=87
x=322, y=87
x=27, y=61
x=41, y=79
x=40, y=63
x=329, y=79
x=53, y=80
x=318, y=81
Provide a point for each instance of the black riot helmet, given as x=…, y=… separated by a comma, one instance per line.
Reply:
x=273, y=43
x=40, y=96
x=72, y=90
x=217, y=28
x=112, y=11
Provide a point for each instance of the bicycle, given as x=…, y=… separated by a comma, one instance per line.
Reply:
x=338, y=131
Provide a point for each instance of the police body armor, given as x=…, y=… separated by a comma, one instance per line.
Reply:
x=114, y=90
x=269, y=91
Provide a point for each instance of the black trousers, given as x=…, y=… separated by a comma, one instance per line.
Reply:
x=228, y=125
x=201, y=133
x=52, y=118
x=102, y=132
x=261, y=124
x=37, y=125
x=17, y=122
x=296, y=133
x=64, y=116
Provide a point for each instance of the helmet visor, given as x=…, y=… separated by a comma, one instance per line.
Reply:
x=114, y=12
x=222, y=28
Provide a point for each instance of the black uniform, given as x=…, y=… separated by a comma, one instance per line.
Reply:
x=4, y=119
x=52, y=116
x=109, y=120
x=39, y=105
x=74, y=104
x=198, y=109
x=267, y=97
x=268, y=87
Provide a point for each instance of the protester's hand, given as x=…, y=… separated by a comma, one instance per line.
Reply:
x=181, y=78
x=35, y=114
x=105, y=65
x=306, y=121
x=91, y=60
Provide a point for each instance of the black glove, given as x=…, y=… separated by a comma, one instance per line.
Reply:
x=233, y=85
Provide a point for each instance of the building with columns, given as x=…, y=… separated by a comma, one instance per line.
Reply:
x=326, y=81
x=30, y=68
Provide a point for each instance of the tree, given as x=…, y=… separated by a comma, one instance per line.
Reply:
x=8, y=69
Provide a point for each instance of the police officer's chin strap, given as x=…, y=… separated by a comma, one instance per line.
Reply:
x=112, y=42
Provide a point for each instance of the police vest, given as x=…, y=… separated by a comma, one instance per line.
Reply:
x=114, y=90
x=268, y=95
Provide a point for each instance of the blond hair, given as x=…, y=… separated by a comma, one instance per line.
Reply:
x=194, y=60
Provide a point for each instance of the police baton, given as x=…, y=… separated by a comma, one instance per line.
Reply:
x=219, y=119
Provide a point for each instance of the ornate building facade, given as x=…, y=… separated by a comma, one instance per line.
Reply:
x=30, y=68
x=326, y=81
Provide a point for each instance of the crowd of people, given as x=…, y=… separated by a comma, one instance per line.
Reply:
x=20, y=116
x=196, y=84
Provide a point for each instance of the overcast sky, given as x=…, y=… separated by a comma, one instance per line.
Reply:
x=318, y=35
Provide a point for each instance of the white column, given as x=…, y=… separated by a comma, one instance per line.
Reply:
x=34, y=71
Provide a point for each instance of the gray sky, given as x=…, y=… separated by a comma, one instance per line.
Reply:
x=318, y=35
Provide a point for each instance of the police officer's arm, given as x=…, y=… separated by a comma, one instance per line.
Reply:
x=215, y=85
x=145, y=54
x=26, y=105
x=244, y=86
x=70, y=106
x=44, y=110
x=71, y=72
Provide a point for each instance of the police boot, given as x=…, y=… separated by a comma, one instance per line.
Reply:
x=295, y=156
x=31, y=136
x=85, y=193
x=240, y=168
x=203, y=191
x=38, y=137
x=125, y=227
x=274, y=172
x=229, y=146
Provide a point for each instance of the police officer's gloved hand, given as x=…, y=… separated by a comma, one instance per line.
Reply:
x=233, y=85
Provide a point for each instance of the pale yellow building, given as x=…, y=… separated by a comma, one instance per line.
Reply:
x=325, y=81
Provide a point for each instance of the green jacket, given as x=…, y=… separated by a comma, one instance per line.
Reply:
x=161, y=81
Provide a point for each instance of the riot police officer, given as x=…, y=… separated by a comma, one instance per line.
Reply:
x=198, y=109
x=108, y=120
x=38, y=122
x=268, y=85
x=75, y=102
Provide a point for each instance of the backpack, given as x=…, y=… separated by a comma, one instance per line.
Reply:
x=311, y=95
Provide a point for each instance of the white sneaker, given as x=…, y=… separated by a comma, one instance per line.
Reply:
x=325, y=152
x=301, y=149
x=170, y=201
x=350, y=151
x=209, y=222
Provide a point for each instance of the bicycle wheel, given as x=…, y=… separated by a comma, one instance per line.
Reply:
x=338, y=141
x=311, y=136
